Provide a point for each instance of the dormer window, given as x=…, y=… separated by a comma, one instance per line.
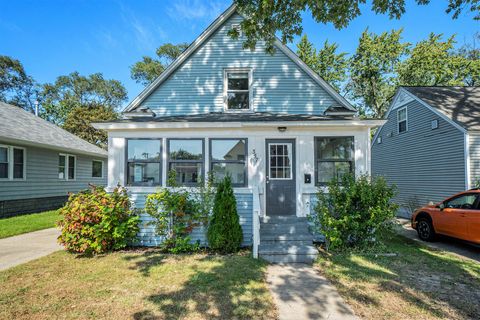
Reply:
x=237, y=86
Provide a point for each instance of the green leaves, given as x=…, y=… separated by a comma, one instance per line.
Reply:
x=354, y=212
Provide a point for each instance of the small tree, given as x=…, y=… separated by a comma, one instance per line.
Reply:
x=354, y=212
x=224, y=232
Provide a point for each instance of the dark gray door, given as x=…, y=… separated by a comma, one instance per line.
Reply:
x=280, y=179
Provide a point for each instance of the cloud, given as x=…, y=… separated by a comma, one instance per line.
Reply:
x=195, y=10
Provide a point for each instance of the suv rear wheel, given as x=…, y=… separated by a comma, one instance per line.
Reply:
x=425, y=229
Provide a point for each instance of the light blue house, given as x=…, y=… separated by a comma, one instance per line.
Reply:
x=41, y=163
x=430, y=145
x=271, y=122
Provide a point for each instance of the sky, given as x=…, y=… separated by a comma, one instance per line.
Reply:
x=56, y=37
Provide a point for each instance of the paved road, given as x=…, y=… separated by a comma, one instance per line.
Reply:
x=26, y=247
x=301, y=293
x=457, y=247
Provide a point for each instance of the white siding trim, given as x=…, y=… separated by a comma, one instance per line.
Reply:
x=467, y=161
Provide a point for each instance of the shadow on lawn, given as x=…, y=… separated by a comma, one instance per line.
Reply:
x=220, y=287
x=444, y=280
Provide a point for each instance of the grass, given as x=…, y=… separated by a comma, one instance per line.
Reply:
x=416, y=283
x=137, y=285
x=27, y=223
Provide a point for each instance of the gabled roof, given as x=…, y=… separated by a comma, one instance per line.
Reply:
x=459, y=104
x=204, y=37
x=18, y=125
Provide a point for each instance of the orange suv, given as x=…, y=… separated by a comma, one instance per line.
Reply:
x=457, y=216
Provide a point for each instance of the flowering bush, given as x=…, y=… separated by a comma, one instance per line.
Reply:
x=354, y=211
x=95, y=221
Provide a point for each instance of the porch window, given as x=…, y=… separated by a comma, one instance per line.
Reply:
x=186, y=157
x=237, y=84
x=3, y=162
x=402, y=120
x=66, y=166
x=143, y=162
x=228, y=156
x=334, y=158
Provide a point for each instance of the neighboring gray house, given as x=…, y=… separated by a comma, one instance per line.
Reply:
x=41, y=163
x=430, y=145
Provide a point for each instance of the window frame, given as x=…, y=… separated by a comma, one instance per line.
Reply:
x=244, y=162
x=269, y=173
x=102, y=172
x=11, y=163
x=317, y=160
x=227, y=71
x=202, y=161
x=398, y=120
x=127, y=162
x=66, y=167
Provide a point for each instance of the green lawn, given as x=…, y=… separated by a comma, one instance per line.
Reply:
x=27, y=223
x=143, y=284
x=415, y=283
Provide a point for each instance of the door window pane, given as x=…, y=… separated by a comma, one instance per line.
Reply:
x=280, y=161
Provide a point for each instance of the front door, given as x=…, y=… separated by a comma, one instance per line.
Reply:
x=280, y=178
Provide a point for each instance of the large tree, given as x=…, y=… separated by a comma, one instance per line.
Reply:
x=79, y=119
x=329, y=64
x=74, y=90
x=16, y=87
x=267, y=18
x=373, y=70
x=148, y=69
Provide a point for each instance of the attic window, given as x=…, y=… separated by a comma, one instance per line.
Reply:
x=434, y=124
x=402, y=120
x=237, y=28
x=237, y=85
x=379, y=140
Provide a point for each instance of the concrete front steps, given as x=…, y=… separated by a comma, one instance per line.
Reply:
x=286, y=239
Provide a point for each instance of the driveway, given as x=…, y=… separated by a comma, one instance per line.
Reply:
x=457, y=247
x=26, y=247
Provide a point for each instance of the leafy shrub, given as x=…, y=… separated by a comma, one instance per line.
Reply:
x=224, y=232
x=354, y=212
x=176, y=213
x=95, y=221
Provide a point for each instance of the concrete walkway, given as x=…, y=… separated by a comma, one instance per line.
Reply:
x=457, y=247
x=301, y=293
x=26, y=247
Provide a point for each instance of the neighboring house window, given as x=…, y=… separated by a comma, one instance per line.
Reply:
x=237, y=85
x=97, y=169
x=67, y=166
x=228, y=156
x=402, y=120
x=379, y=140
x=434, y=124
x=143, y=162
x=12, y=162
x=334, y=158
x=186, y=157
x=4, y=162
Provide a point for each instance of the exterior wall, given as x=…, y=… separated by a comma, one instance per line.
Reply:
x=148, y=237
x=474, y=152
x=304, y=137
x=42, y=177
x=425, y=164
x=279, y=85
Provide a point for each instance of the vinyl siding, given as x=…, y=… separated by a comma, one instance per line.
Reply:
x=474, y=144
x=425, y=164
x=148, y=237
x=279, y=85
x=42, y=176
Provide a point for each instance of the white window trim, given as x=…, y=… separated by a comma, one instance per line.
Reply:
x=95, y=160
x=398, y=120
x=250, y=89
x=65, y=172
x=10, y=161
